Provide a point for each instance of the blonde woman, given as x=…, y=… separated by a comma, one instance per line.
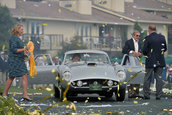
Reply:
x=17, y=66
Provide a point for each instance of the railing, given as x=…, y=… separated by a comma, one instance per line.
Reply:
x=102, y=43
x=45, y=42
x=56, y=41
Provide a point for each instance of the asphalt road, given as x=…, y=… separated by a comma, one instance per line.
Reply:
x=92, y=105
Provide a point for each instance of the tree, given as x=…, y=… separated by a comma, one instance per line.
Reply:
x=143, y=33
x=75, y=44
x=6, y=23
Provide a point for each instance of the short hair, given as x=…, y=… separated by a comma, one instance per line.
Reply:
x=16, y=28
x=152, y=27
x=135, y=31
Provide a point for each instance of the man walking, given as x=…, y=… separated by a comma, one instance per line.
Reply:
x=3, y=68
x=153, y=49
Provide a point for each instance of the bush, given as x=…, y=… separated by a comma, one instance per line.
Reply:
x=169, y=86
x=9, y=107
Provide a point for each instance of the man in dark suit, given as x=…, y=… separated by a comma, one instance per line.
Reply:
x=3, y=68
x=132, y=46
x=154, y=48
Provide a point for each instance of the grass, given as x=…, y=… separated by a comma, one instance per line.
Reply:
x=8, y=105
x=14, y=89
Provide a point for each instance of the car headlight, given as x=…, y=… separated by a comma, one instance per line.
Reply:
x=67, y=76
x=79, y=83
x=121, y=75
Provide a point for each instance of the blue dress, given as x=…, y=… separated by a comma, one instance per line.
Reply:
x=17, y=66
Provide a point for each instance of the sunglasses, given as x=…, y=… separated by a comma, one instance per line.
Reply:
x=137, y=35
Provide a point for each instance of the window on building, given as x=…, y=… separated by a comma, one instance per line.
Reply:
x=86, y=30
x=82, y=29
x=27, y=27
x=43, y=28
x=37, y=28
x=32, y=28
x=90, y=30
x=77, y=29
x=101, y=30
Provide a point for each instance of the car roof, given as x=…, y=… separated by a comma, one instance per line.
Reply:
x=85, y=51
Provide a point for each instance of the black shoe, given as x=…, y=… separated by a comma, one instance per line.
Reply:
x=158, y=98
x=139, y=96
x=25, y=99
x=146, y=98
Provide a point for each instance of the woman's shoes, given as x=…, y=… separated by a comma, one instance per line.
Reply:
x=4, y=97
x=25, y=99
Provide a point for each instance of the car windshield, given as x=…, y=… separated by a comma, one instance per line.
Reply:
x=86, y=57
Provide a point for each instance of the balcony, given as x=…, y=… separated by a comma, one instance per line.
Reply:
x=45, y=42
x=56, y=42
x=102, y=43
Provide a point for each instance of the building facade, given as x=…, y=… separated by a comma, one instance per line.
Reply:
x=100, y=24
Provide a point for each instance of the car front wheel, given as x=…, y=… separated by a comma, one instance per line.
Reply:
x=56, y=92
x=61, y=94
x=120, y=94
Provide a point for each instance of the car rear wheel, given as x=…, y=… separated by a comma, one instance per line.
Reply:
x=120, y=94
x=56, y=92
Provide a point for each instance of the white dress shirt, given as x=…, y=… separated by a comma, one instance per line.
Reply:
x=136, y=46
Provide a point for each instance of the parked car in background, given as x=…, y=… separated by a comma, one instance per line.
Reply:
x=44, y=66
x=90, y=71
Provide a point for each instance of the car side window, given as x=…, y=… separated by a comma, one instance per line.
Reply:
x=126, y=60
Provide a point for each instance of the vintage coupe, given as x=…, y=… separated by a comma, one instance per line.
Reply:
x=92, y=72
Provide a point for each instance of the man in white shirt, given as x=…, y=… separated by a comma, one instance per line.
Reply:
x=132, y=46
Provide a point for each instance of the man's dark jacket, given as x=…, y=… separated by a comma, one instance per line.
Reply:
x=154, y=48
x=129, y=45
x=3, y=65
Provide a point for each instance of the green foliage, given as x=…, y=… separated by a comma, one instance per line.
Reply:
x=6, y=23
x=20, y=90
x=143, y=33
x=169, y=86
x=137, y=27
x=75, y=44
x=9, y=107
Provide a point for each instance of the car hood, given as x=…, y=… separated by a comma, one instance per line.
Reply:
x=93, y=72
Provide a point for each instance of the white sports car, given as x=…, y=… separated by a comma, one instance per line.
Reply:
x=90, y=71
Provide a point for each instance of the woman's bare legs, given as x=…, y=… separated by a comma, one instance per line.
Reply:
x=7, y=85
x=24, y=83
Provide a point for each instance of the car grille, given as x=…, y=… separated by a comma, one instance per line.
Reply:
x=86, y=83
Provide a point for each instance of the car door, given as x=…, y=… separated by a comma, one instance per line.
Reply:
x=133, y=68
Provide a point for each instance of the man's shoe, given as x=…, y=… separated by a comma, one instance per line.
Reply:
x=146, y=98
x=158, y=98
